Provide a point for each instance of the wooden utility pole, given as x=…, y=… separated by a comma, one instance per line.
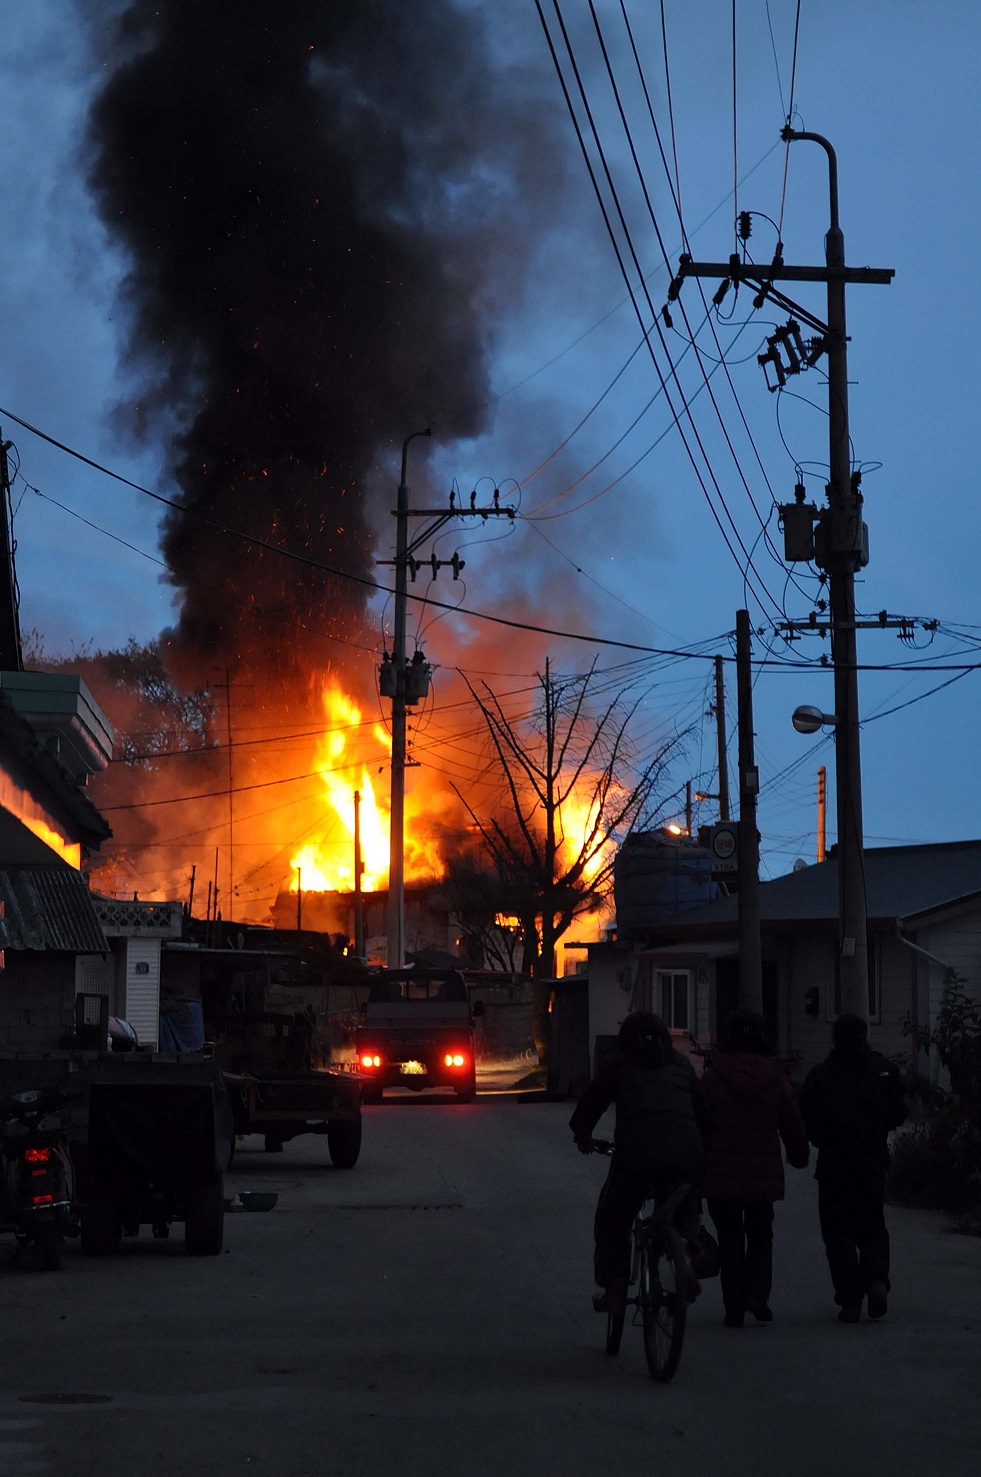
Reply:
x=688, y=817
x=299, y=899
x=720, y=732
x=190, y=892
x=11, y=650
x=358, y=871
x=750, y=947
x=231, y=795
x=822, y=811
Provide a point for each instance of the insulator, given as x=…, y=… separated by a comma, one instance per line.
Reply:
x=745, y=225
x=721, y=291
x=666, y=315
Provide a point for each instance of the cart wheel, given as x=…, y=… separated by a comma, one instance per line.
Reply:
x=204, y=1218
x=102, y=1225
x=47, y=1240
x=344, y=1142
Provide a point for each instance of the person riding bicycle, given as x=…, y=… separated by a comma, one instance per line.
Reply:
x=658, y=1143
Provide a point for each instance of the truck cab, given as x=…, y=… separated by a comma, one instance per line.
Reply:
x=416, y=1031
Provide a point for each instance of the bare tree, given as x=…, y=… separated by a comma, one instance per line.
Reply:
x=573, y=790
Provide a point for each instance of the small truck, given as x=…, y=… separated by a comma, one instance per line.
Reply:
x=416, y=1031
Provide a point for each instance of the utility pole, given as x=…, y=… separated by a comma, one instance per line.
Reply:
x=408, y=682
x=687, y=807
x=750, y=946
x=299, y=899
x=396, y=865
x=822, y=812
x=11, y=649
x=720, y=731
x=835, y=537
x=231, y=795
x=358, y=870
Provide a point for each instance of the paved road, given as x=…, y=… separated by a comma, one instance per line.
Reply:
x=428, y=1312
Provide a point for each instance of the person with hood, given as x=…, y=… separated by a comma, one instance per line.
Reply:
x=751, y=1108
x=850, y=1102
x=657, y=1143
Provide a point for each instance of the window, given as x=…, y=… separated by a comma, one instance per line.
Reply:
x=875, y=991
x=673, y=995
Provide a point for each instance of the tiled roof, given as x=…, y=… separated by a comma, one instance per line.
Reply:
x=48, y=908
x=900, y=882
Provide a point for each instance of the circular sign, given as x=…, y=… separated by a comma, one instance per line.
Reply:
x=724, y=844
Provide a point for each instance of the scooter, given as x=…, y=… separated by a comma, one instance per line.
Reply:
x=37, y=1178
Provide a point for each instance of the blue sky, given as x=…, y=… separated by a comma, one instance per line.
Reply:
x=893, y=88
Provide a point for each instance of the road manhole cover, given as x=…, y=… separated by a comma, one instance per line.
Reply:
x=67, y=1397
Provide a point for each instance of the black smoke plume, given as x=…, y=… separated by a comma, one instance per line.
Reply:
x=321, y=203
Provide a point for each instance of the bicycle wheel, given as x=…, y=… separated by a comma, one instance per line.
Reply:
x=664, y=1304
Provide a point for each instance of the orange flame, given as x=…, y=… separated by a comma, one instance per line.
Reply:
x=38, y=821
x=327, y=865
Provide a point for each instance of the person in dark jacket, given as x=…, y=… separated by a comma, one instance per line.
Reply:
x=850, y=1102
x=751, y=1107
x=657, y=1142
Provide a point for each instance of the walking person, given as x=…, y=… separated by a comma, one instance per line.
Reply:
x=850, y=1102
x=751, y=1108
x=657, y=1145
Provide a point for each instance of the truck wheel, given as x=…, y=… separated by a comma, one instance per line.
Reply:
x=102, y=1224
x=204, y=1218
x=467, y=1091
x=344, y=1142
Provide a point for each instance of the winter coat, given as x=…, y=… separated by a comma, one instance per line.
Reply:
x=750, y=1107
x=850, y=1102
x=659, y=1115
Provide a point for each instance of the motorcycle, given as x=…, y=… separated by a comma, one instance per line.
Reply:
x=37, y=1178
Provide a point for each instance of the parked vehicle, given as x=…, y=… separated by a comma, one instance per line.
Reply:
x=280, y=1086
x=417, y=1031
x=37, y=1184
x=159, y=1138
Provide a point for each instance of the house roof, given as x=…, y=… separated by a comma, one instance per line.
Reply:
x=901, y=882
x=42, y=775
x=48, y=908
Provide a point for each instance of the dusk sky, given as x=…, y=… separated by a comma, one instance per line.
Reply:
x=630, y=555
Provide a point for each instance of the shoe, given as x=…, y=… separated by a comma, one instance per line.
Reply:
x=694, y=1286
x=733, y=1320
x=762, y=1312
x=850, y=1315
x=612, y=1299
x=878, y=1299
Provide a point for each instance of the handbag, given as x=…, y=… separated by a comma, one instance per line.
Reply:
x=705, y=1259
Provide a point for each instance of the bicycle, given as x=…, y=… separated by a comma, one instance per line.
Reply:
x=659, y=1270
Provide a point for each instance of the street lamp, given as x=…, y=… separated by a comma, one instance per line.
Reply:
x=808, y=720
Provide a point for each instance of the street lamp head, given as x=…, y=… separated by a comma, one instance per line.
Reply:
x=808, y=720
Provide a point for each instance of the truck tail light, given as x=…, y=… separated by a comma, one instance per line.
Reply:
x=455, y=1059
x=370, y=1060
x=42, y=1199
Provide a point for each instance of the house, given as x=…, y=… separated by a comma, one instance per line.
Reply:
x=924, y=922
x=52, y=736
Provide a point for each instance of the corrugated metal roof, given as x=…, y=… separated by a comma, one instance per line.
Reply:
x=48, y=908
